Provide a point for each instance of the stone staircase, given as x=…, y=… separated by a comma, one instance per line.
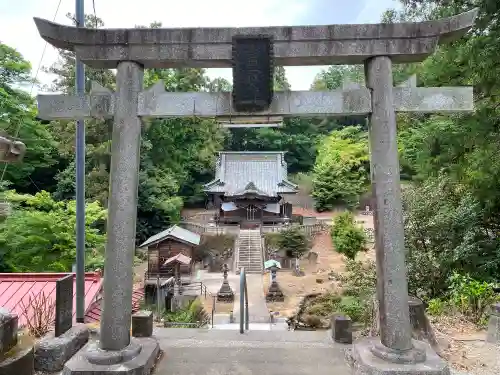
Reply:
x=250, y=251
x=227, y=352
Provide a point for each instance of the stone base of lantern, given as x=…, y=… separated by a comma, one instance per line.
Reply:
x=225, y=293
x=138, y=358
x=274, y=293
x=364, y=362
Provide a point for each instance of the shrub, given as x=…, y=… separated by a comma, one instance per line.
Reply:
x=312, y=321
x=355, y=308
x=436, y=307
x=194, y=313
x=272, y=241
x=211, y=244
x=360, y=279
x=348, y=238
x=324, y=305
x=471, y=297
x=39, y=313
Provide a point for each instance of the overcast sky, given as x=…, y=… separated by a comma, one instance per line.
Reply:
x=18, y=30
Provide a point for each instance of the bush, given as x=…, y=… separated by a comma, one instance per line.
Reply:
x=355, y=308
x=360, y=279
x=471, y=297
x=324, y=305
x=194, y=313
x=348, y=238
x=436, y=307
x=447, y=231
x=312, y=321
x=211, y=244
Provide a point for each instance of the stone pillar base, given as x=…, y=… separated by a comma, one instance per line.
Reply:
x=364, y=362
x=136, y=359
x=225, y=293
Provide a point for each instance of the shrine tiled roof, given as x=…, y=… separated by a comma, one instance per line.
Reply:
x=263, y=172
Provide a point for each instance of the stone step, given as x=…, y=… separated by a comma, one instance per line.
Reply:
x=250, y=264
x=225, y=352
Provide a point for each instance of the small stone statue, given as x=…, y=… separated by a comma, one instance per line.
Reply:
x=225, y=270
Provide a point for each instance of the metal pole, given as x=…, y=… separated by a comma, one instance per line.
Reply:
x=80, y=181
x=242, y=299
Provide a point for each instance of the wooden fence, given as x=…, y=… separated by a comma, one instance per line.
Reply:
x=202, y=228
x=309, y=229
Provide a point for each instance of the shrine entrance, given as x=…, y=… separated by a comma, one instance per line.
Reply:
x=253, y=53
x=251, y=212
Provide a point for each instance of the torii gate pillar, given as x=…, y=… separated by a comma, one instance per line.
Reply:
x=122, y=213
x=392, y=286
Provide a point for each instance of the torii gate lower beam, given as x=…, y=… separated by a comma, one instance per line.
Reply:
x=156, y=103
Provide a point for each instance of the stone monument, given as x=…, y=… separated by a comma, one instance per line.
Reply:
x=225, y=293
x=493, y=335
x=377, y=46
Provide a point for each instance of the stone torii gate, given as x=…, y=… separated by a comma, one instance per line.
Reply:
x=377, y=46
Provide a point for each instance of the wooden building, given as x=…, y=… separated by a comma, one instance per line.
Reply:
x=166, y=245
x=251, y=188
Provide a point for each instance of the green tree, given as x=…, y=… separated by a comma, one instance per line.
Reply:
x=340, y=173
x=17, y=119
x=294, y=242
x=280, y=81
x=170, y=176
x=348, y=238
x=39, y=235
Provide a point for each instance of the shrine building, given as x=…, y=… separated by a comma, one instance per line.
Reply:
x=251, y=188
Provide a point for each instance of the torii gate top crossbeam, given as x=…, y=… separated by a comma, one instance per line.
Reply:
x=295, y=46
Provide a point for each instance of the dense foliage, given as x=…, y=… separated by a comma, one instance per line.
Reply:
x=39, y=235
x=341, y=170
x=347, y=237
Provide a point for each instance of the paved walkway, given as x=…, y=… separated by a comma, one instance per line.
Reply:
x=257, y=307
x=213, y=280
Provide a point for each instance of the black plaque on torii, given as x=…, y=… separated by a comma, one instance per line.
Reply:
x=253, y=73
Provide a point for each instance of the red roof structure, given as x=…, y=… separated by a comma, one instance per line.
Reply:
x=16, y=289
x=94, y=312
x=178, y=258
